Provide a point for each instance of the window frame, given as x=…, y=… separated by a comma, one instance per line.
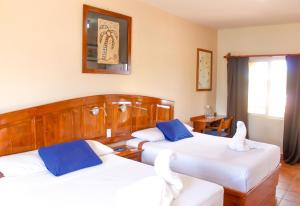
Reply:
x=268, y=98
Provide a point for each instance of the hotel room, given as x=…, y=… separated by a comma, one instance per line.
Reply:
x=150, y=102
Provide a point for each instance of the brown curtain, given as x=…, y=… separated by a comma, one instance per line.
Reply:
x=237, y=90
x=291, y=137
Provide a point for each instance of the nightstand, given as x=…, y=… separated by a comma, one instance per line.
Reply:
x=128, y=152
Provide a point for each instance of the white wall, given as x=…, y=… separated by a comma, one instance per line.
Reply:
x=40, y=55
x=274, y=39
x=266, y=129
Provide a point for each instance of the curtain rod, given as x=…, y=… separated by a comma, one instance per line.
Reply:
x=259, y=55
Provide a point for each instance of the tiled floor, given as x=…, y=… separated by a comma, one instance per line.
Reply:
x=288, y=188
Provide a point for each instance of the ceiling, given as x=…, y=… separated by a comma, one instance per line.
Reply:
x=232, y=13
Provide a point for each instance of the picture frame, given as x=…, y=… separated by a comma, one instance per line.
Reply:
x=204, y=70
x=106, y=41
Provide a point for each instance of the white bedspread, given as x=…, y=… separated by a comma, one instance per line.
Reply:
x=209, y=158
x=97, y=186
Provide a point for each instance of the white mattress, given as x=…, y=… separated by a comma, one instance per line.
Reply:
x=97, y=186
x=209, y=158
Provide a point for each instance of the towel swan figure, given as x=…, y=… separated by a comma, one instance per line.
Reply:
x=162, y=169
x=239, y=142
x=159, y=190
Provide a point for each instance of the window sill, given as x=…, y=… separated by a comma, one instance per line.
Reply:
x=266, y=116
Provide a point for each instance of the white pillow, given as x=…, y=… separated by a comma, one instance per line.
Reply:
x=21, y=164
x=150, y=134
x=99, y=148
x=188, y=127
x=30, y=162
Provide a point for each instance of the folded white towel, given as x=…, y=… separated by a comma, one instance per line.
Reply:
x=239, y=142
x=158, y=190
x=162, y=169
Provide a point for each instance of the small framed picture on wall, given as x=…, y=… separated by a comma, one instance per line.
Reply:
x=204, y=70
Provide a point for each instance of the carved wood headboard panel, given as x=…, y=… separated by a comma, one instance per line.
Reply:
x=81, y=118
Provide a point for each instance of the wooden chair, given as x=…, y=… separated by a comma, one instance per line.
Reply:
x=195, y=118
x=224, y=128
x=198, y=126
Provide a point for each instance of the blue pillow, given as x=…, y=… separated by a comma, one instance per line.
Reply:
x=68, y=157
x=174, y=130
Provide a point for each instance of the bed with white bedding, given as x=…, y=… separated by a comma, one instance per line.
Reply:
x=209, y=158
x=97, y=186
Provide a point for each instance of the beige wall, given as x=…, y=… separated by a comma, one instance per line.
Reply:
x=255, y=40
x=40, y=55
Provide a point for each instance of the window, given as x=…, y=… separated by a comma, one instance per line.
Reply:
x=267, y=86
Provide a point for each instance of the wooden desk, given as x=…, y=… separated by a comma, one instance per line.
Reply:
x=209, y=120
x=201, y=122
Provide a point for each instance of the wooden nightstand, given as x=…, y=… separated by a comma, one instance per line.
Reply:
x=129, y=152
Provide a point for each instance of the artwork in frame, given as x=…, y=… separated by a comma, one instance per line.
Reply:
x=204, y=70
x=106, y=42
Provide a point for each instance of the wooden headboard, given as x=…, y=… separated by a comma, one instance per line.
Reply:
x=81, y=118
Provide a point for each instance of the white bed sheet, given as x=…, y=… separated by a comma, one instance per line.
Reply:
x=209, y=158
x=97, y=186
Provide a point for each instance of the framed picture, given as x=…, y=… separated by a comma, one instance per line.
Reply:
x=106, y=42
x=204, y=70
